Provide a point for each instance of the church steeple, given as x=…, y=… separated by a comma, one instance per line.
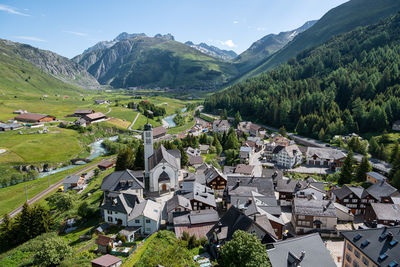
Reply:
x=148, y=146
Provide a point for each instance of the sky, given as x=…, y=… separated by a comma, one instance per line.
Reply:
x=69, y=27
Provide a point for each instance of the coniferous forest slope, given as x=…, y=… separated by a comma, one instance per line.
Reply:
x=349, y=84
x=341, y=19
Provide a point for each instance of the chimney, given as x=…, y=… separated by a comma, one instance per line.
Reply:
x=237, y=182
x=205, y=189
x=249, y=200
x=389, y=237
x=237, y=203
x=255, y=217
x=219, y=226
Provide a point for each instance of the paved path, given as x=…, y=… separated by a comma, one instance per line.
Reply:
x=109, y=109
x=51, y=188
x=133, y=123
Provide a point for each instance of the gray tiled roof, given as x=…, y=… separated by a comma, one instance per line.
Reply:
x=325, y=153
x=120, y=202
x=386, y=211
x=343, y=192
x=382, y=189
x=377, y=176
x=290, y=185
x=203, y=194
x=121, y=180
x=265, y=186
x=379, y=243
x=211, y=173
x=313, y=207
x=71, y=179
x=196, y=217
x=162, y=155
x=315, y=252
x=178, y=201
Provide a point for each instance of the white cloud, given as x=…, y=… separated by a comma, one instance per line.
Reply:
x=260, y=29
x=29, y=38
x=12, y=10
x=76, y=33
x=228, y=43
x=235, y=22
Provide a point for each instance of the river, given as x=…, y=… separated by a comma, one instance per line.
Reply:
x=168, y=122
x=97, y=150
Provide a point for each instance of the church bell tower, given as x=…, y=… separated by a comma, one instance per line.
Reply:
x=148, y=146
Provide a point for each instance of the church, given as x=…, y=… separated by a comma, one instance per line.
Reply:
x=162, y=166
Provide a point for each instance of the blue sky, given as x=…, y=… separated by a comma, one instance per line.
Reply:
x=69, y=27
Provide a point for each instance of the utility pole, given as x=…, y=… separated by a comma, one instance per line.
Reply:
x=48, y=180
x=26, y=194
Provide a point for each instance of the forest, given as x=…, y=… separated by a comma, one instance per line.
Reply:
x=349, y=84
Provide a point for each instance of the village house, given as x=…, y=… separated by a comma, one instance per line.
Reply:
x=383, y=192
x=256, y=130
x=259, y=144
x=195, y=161
x=214, y=178
x=221, y=126
x=287, y=156
x=101, y=102
x=106, y=261
x=197, y=223
x=177, y=204
x=243, y=169
x=130, y=233
x=343, y=213
x=94, y=117
x=74, y=182
x=204, y=149
x=234, y=220
x=280, y=140
x=20, y=111
x=382, y=213
x=374, y=177
x=371, y=247
x=127, y=209
x=83, y=112
x=80, y=122
x=192, y=151
x=325, y=157
x=244, y=153
x=34, y=118
x=104, y=243
x=287, y=188
x=122, y=181
x=308, y=250
x=106, y=164
x=9, y=126
x=355, y=198
x=159, y=132
x=311, y=191
x=200, y=196
x=311, y=214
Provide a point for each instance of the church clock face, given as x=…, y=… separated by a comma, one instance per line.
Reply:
x=148, y=140
x=148, y=134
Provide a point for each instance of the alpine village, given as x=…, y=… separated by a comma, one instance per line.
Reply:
x=148, y=151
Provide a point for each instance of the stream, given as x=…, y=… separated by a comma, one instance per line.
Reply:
x=97, y=150
x=168, y=122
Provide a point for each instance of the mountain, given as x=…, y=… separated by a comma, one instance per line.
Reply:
x=213, y=51
x=157, y=61
x=341, y=19
x=18, y=76
x=349, y=84
x=60, y=67
x=268, y=45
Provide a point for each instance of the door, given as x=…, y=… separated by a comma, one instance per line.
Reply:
x=164, y=187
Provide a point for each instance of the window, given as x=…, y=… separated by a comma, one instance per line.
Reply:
x=354, y=200
x=357, y=254
x=349, y=247
x=346, y=200
x=348, y=258
x=355, y=264
x=148, y=230
x=109, y=212
x=137, y=221
x=110, y=219
x=147, y=220
x=364, y=200
x=365, y=261
x=301, y=217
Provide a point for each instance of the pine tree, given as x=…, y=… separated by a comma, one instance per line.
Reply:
x=346, y=173
x=138, y=164
x=184, y=157
x=124, y=160
x=218, y=147
x=362, y=169
x=238, y=119
x=232, y=142
x=395, y=151
x=373, y=147
x=321, y=134
x=282, y=131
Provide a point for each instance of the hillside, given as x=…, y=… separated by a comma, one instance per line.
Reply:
x=20, y=77
x=213, y=51
x=266, y=46
x=155, y=62
x=60, y=67
x=341, y=19
x=350, y=84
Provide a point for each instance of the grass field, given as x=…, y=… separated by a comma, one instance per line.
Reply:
x=123, y=113
x=12, y=197
x=39, y=147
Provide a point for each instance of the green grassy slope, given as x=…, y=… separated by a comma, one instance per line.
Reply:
x=341, y=19
x=20, y=77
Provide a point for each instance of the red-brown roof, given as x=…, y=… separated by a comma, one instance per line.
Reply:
x=255, y=127
x=106, y=164
x=195, y=160
x=244, y=169
x=95, y=116
x=106, y=260
x=30, y=117
x=160, y=130
x=249, y=143
x=103, y=240
x=84, y=111
x=199, y=230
